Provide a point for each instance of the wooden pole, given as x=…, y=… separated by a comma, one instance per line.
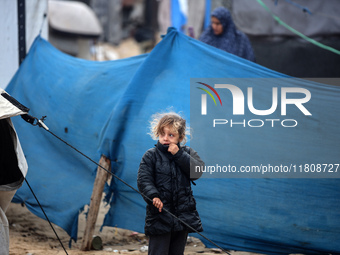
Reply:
x=96, y=198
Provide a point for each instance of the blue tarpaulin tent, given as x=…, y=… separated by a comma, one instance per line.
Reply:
x=105, y=108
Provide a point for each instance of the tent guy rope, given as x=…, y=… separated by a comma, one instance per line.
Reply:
x=297, y=32
x=29, y=186
x=40, y=122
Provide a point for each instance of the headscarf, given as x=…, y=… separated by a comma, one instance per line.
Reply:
x=231, y=40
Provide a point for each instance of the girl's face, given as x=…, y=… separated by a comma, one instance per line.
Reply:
x=216, y=26
x=168, y=136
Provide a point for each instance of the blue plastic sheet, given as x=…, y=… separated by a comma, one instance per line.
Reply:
x=105, y=108
x=77, y=96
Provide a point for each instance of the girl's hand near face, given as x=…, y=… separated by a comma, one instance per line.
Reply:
x=173, y=148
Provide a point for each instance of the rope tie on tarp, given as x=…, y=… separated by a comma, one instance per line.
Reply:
x=303, y=8
x=40, y=122
x=45, y=216
x=323, y=46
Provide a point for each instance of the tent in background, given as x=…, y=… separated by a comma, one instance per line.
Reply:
x=13, y=164
x=19, y=28
x=278, y=48
x=104, y=108
x=77, y=96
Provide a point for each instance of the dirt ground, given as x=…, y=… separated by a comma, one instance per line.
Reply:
x=31, y=235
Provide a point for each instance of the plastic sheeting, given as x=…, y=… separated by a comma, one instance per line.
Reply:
x=36, y=24
x=77, y=96
x=321, y=21
x=13, y=165
x=106, y=107
x=11, y=178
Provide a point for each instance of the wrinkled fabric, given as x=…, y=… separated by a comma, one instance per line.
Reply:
x=77, y=96
x=13, y=165
x=105, y=108
x=231, y=40
x=253, y=19
x=167, y=177
x=11, y=176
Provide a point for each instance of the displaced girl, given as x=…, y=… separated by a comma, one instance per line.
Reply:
x=164, y=177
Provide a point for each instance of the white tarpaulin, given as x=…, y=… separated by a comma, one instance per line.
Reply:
x=13, y=165
x=35, y=21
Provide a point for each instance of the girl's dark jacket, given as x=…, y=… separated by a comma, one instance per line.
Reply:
x=167, y=177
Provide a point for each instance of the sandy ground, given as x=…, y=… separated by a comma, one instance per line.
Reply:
x=31, y=235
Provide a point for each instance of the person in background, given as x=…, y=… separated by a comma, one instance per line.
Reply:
x=223, y=34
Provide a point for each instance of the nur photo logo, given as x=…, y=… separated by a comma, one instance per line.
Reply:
x=295, y=98
x=204, y=97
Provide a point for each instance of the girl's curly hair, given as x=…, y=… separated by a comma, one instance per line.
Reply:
x=172, y=119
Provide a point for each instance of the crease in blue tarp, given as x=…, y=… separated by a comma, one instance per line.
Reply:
x=104, y=108
x=77, y=96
